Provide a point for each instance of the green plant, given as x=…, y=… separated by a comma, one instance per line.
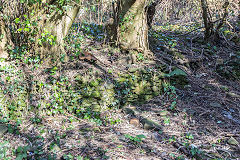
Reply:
x=82, y=158
x=113, y=121
x=137, y=139
x=21, y=152
x=181, y=157
x=172, y=139
x=36, y=120
x=189, y=136
x=140, y=57
x=176, y=72
x=68, y=157
x=166, y=121
x=195, y=151
x=47, y=37
x=163, y=38
x=4, y=147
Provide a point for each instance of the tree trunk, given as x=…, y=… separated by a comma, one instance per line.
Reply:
x=58, y=25
x=151, y=12
x=133, y=27
x=129, y=27
x=5, y=39
x=130, y=24
x=206, y=19
x=52, y=25
x=211, y=32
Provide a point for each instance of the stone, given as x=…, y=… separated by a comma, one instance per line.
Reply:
x=164, y=113
x=135, y=122
x=232, y=141
x=163, y=154
x=148, y=126
x=215, y=104
x=3, y=130
x=234, y=95
x=132, y=70
x=157, y=136
x=122, y=138
x=96, y=107
x=219, y=61
x=129, y=111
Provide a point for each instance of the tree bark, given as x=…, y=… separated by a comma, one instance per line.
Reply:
x=58, y=25
x=212, y=32
x=55, y=24
x=5, y=39
x=151, y=12
x=206, y=19
x=129, y=27
x=133, y=27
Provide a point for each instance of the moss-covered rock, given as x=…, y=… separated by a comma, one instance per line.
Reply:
x=132, y=70
x=94, y=83
x=96, y=94
x=150, y=125
x=87, y=102
x=96, y=107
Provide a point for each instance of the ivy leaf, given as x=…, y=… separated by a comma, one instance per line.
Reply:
x=177, y=72
x=141, y=136
x=20, y=29
x=17, y=20
x=26, y=29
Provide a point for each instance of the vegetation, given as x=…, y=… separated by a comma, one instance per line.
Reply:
x=125, y=79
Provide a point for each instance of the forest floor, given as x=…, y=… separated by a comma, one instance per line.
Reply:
x=204, y=125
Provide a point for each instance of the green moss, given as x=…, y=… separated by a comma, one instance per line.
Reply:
x=96, y=107
x=148, y=97
x=89, y=95
x=87, y=102
x=94, y=83
x=132, y=70
x=150, y=125
x=155, y=88
x=96, y=94
x=122, y=79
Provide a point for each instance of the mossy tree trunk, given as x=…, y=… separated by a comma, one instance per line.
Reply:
x=53, y=23
x=130, y=25
x=5, y=39
x=206, y=19
x=58, y=25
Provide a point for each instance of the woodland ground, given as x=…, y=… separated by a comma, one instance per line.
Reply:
x=205, y=123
